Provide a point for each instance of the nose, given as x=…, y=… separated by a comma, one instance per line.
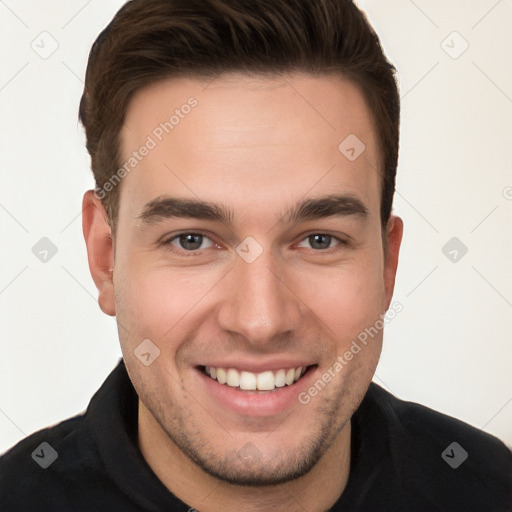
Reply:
x=258, y=302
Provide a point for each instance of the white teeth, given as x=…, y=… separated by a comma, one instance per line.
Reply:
x=233, y=378
x=247, y=380
x=264, y=381
x=279, y=379
x=221, y=375
x=290, y=376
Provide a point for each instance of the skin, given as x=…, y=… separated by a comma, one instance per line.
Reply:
x=257, y=146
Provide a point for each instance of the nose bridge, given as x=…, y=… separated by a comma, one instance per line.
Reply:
x=258, y=303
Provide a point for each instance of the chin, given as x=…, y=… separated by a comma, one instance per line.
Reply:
x=249, y=467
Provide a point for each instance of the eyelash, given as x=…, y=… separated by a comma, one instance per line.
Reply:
x=167, y=242
x=341, y=242
x=196, y=252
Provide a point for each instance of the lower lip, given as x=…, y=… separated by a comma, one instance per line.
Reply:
x=256, y=403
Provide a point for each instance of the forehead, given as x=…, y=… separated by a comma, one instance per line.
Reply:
x=245, y=139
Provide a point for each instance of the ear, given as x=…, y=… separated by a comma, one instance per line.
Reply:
x=100, y=250
x=394, y=232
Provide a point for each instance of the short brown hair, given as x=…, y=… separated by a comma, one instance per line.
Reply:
x=149, y=40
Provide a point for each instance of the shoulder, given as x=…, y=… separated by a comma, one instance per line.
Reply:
x=444, y=458
x=435, y=427
x=43, y=460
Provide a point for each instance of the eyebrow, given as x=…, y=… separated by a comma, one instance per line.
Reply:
x=326, y=206
x=166, y=207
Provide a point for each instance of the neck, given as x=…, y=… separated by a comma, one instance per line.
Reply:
x=317, y=491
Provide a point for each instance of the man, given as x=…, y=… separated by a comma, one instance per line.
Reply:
x=241, y=232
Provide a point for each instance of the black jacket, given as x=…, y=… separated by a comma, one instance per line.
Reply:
x=405, y=457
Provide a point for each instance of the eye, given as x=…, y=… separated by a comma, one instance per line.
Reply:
x=190, y=241
x=320, y=241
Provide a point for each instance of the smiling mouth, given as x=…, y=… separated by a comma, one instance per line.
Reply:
x=260, y=382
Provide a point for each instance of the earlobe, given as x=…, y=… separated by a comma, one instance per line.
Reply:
x=100, y=251
x=394, y=234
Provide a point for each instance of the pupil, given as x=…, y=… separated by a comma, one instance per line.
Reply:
x=191, y=241
x=320, y=241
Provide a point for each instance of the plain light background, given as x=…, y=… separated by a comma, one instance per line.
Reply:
x=449, y=348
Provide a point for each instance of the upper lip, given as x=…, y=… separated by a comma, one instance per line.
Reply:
x=258, y=366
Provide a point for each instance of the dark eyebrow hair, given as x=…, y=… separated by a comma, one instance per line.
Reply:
x=326, y=206
x=164, y=207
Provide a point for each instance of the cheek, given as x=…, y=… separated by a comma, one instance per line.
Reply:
x=346, y=301
x=157, y=303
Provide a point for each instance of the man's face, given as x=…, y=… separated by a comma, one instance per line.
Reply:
x=250, y=281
